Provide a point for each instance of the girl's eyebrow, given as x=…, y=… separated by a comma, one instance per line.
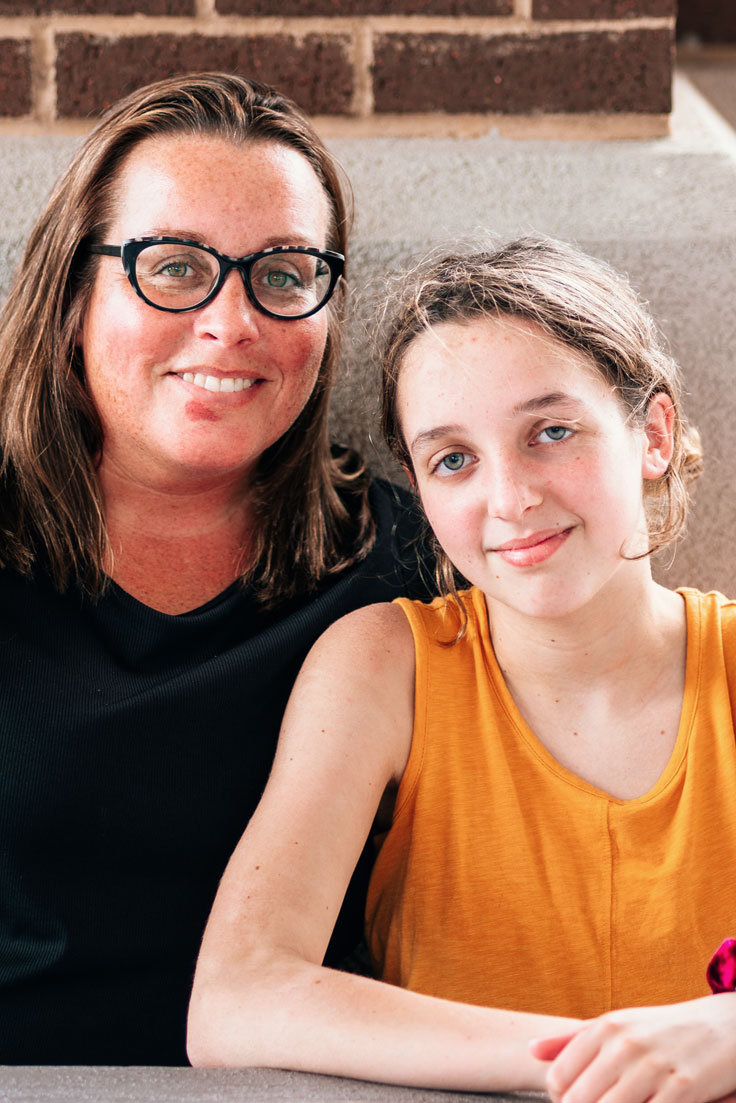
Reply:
x=430, y=436
x=544, y=401
x=531, y=406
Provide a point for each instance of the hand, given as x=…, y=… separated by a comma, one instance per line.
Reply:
x=680, y=1053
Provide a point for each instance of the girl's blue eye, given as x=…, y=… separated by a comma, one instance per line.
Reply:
x=453, y=461
x=556, y=432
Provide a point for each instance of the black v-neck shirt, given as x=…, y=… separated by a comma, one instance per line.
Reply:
x=134, y=747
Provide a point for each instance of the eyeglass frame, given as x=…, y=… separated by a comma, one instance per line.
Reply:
x=132, y=247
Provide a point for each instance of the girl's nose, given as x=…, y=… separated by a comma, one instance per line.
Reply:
x=511, y=489
x=230, y=317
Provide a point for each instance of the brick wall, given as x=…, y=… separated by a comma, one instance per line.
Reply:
x=360, y=66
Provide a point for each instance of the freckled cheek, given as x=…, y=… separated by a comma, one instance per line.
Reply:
x=115, y=376
x=300, y=365
x=126, y=348
x=577, y=482
x=117, y=310
x=458, y=527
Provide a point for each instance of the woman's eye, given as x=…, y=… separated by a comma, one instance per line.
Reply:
x=167, y=268
x=452, y=462
x=554, y=433
x=280, y=279
x=176, y=269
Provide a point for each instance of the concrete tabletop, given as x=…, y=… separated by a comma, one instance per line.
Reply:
x=69, y=1084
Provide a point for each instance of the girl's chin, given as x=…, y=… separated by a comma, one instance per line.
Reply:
x=548, y=606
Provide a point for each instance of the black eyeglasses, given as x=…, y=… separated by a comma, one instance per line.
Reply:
x=170, y=273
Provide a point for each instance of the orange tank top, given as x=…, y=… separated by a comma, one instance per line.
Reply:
x=505, y=880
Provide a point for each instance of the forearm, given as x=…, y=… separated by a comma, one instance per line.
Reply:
x=302, y=1016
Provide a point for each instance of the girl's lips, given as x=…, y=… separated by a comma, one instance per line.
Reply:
x=533, y=550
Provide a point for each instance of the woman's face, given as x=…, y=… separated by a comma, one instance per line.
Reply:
x=154, y=376
x=528, y=469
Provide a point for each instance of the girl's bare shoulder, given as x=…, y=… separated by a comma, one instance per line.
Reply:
x=359, y=680
x=379, y=634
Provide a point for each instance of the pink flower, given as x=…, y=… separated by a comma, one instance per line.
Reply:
x=721, y=974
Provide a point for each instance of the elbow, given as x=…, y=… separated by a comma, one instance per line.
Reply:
x=221, y=1026
x=235, y=1016
x=205, y=1047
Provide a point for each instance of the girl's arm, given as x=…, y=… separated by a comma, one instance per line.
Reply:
x=679, y=1053
x=261, y=996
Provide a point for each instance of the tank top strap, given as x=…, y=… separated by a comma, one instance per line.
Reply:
x=444, y=677
x=728, y=636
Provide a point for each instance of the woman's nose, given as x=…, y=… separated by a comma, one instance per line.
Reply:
x=230, y=317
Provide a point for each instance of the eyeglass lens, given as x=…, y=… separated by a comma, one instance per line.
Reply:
x=181, y=276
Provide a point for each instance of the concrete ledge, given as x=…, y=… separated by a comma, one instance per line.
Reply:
x=181, y=1085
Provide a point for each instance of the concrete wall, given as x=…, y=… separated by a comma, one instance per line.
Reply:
x=664, y=211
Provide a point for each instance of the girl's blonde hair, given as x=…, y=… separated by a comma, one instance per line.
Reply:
x=578, y=301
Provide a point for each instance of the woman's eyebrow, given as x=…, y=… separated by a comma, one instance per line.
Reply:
x=201, y=239
x=177, y=231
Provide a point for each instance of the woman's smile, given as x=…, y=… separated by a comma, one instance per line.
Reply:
x=225, y=384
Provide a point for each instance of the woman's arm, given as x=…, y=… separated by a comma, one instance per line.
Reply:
x=261, y=996
x=679, y=1053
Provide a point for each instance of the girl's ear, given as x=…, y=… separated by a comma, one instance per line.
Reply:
x=410, y=475
x=659, y=432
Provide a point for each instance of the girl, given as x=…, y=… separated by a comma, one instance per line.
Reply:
x=549, y=752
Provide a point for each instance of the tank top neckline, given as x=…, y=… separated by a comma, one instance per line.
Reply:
x=693, y=665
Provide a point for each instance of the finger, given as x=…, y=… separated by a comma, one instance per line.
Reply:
x=609, y=1080
x=546, y=1049
x=582, y=1048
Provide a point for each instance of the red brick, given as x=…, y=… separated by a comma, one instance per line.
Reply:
x=366, y=7
x=97, y=7
x=710, y=20
x=15, y=77
x=601, y=9
x=93, y=71
x=571, y=72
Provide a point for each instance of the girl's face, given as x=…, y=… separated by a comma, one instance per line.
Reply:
x=527, y=467
x=188, y=398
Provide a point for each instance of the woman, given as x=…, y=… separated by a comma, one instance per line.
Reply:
x=551, y=754
x=175, y=533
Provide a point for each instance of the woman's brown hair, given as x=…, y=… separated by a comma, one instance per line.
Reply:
x=50, y=435
x=576, y=300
